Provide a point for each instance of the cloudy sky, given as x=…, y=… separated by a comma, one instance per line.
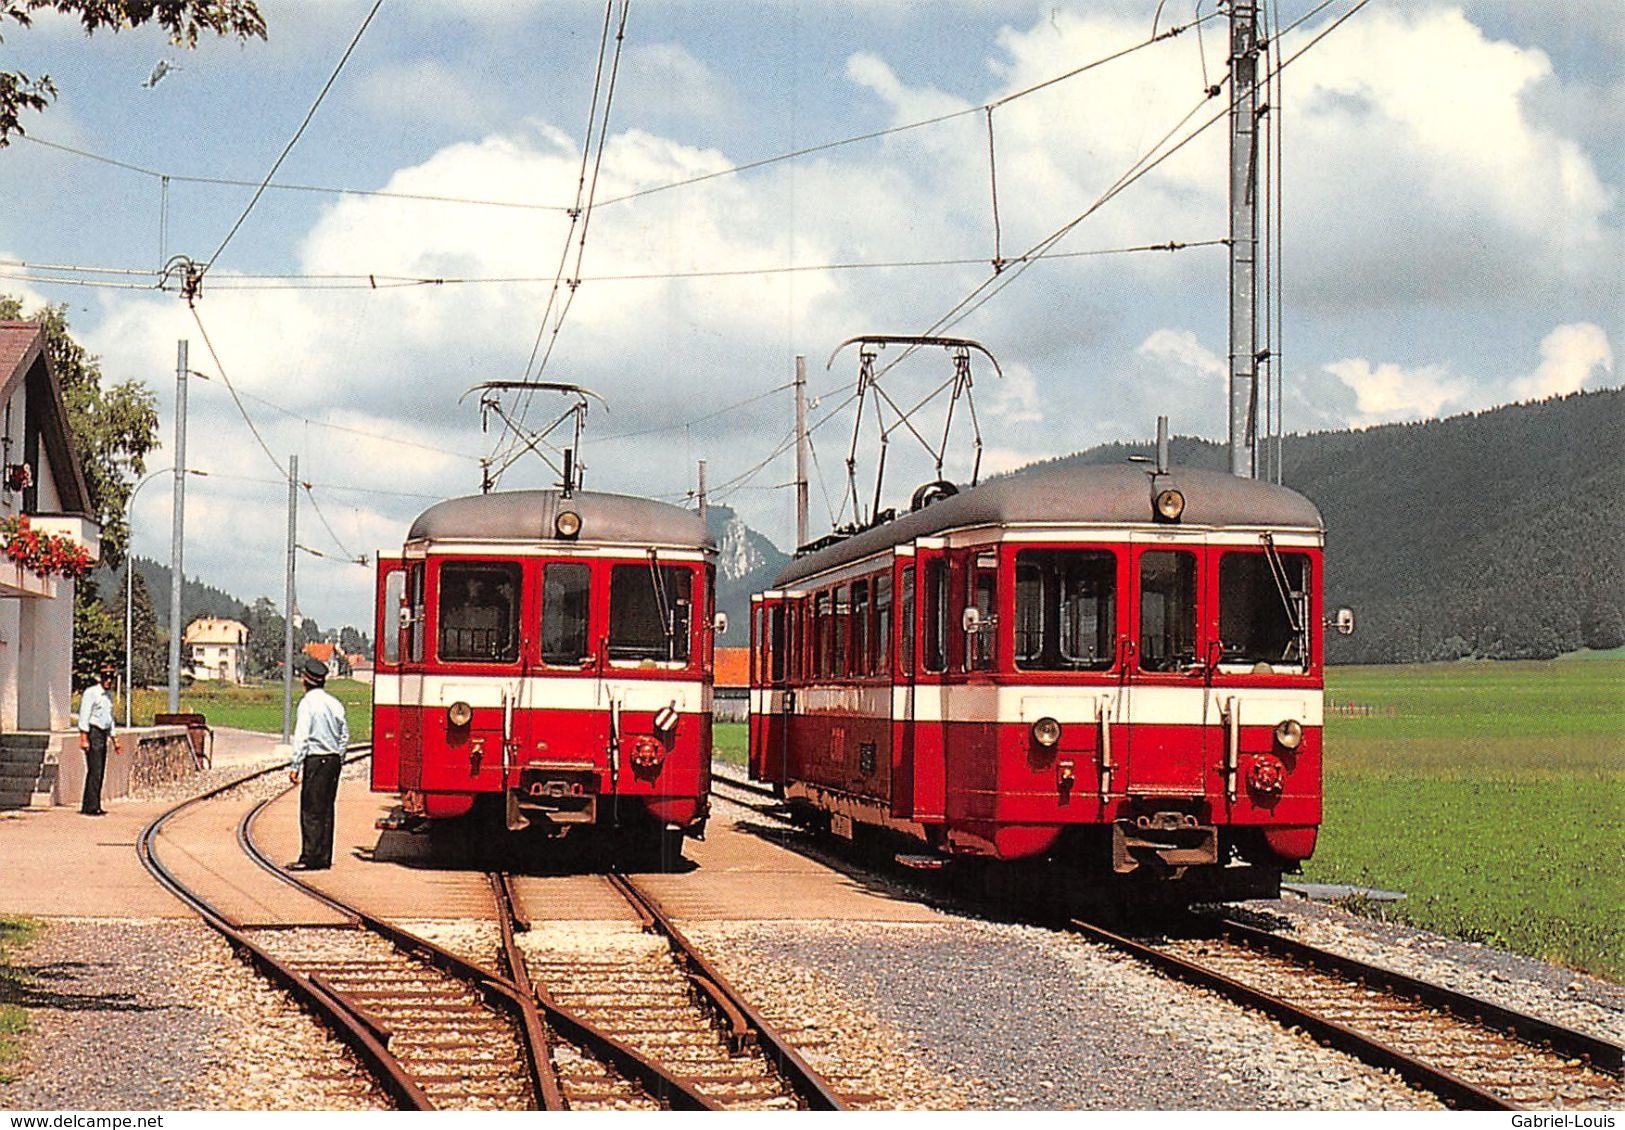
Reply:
x=1450, y=237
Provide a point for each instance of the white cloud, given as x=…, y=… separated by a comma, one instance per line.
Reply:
x=1389, y=393
x=1572, y=357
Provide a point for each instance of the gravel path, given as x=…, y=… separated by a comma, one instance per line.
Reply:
x=159, y=1015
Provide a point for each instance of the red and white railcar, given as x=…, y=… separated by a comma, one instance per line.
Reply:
x=550, y=653
x=1116, y=669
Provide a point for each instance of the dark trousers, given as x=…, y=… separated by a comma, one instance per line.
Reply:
x=318, y=792
x=95, y=769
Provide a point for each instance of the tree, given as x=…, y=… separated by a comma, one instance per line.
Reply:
x=98, y=637
x=149, y=661
x=266, y=634
x=113, y=429
x=185, y=20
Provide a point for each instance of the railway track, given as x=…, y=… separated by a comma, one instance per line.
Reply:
x=436, y=1030
x=1470, y=1053
x=655, y=1003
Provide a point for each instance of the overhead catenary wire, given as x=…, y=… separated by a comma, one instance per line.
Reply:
x=294, y=140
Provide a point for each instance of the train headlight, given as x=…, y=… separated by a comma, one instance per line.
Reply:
x=1047, y=732
x=1289, y=734
x=1169, y=505
x=567, y=524
x=459, y=714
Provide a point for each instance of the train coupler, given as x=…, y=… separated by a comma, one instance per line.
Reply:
x=1163, y=841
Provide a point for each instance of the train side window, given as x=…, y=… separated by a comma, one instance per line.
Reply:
x=566, y=611
x=935, y=599
x=823, y=626
x=649, y=613
x=479, y=612
x=1167, y=610
x=860, y=628
x=415, y=601
x=882, y=664
x=841, y=616
x=982, y=596
x=389, y=639
x=905, y=617
x=775, y=643
x=1264, y=613
x=1066, y=609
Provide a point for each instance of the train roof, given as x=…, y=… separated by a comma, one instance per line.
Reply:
x=528, y=515
x=1116, y=494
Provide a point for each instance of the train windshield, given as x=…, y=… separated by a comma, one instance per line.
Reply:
x=1263, y=608
x=479, y=612
x=566, y=611
x=1066, y=609
x=649, y=608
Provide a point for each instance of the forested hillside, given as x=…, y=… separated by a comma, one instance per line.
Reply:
x=1496, y=535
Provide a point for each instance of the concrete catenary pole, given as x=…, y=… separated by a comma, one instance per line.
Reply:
x=704, y=504
x=288, y=599
x=1244, y=155
x=801, y=451
x=177, y=530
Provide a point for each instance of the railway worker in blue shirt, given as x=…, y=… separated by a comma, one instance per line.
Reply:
x=96, y=728
x=320, y=734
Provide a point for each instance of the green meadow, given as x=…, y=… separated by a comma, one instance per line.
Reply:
x=1491, y=795
x=256, y=706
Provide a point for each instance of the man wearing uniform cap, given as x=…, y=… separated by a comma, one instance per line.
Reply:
x=320, y=734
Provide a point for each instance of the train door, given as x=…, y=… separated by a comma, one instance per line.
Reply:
x=1167, y=700
x=410, y=640
x=904, y=649
x=386, y=679
x=928, y=701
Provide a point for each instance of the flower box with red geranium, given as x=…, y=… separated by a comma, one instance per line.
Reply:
x=45, y=553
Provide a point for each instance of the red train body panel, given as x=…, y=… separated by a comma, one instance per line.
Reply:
x=1044, y=666
x=550, y=652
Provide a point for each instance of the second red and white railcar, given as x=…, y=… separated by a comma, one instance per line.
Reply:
x=549, y=652
x=1117, y=670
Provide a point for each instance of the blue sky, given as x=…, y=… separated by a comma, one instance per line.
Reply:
x=1451, y=236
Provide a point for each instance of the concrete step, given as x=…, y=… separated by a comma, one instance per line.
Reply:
x=35, y=743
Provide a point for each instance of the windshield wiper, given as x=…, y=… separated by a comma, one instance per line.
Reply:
x=663, y=605
x=1291, y=601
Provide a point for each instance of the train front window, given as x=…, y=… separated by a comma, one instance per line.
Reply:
x=479, y=612
x=566, y=609
x=649, y=607
x=1264, y=609
x=1066, y=609
x=1167, y=610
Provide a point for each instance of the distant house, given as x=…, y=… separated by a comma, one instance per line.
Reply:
x=216, y=650
x=730, y=700
x=327, y=653
x=360, y=667
x=43, y=502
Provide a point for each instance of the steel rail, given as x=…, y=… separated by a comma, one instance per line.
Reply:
x=1455, y=1092
x=538, y=1060
x=1599, y=1053
x=361, y=1035
x=660, y=1084
x=809, y=1086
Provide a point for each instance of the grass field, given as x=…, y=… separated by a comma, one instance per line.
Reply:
x=256, y=707
x=1492, y=795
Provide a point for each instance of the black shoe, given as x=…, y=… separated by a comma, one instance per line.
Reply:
x=94, y=812
x=299, y=865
